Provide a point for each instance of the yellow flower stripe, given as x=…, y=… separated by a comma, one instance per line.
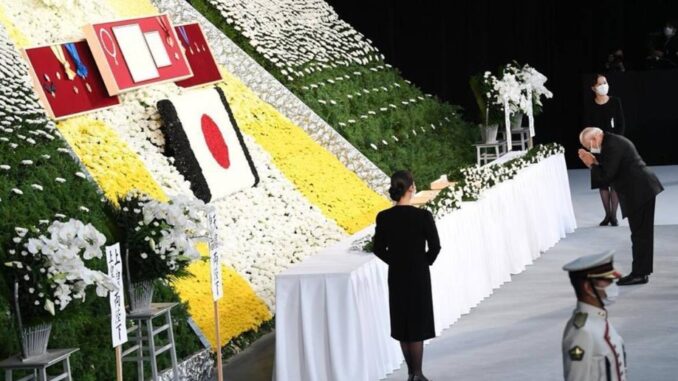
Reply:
x=133, y=8
x=339, y=193
x=239, y=309
x=114, y=166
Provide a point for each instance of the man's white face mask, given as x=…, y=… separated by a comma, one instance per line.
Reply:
x=593, y=149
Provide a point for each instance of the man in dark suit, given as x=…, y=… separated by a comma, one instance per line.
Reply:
x=620, y=164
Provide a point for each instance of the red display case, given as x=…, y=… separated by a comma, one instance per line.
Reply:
x=63, y=97
x=118, y=59
x=199, y=55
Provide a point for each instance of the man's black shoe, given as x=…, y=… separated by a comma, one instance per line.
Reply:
x=632, y=279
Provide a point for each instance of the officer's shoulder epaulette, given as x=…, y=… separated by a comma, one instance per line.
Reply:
x=580, y=319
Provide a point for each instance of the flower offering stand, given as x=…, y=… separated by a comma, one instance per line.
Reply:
x=37, y=366
x=144, y=322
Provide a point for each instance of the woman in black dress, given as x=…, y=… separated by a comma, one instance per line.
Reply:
x=605, y=112
x=400, y=240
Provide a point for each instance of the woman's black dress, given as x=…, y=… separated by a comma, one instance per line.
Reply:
x=400, y=240
x=609, y=117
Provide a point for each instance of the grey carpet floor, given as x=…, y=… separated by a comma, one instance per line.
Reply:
x=515, y=334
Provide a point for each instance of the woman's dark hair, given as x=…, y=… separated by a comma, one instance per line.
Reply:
x=594, y=80
x=401, y=181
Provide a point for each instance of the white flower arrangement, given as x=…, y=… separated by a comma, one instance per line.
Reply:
x=185, y=219
x=478, y=179
x=54, y=263
x=159, y=238
x=519, y=87
x=447, y=201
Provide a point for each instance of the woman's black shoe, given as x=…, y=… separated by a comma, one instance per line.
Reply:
x=420, y=378
x=614, y=222
x=605, y=222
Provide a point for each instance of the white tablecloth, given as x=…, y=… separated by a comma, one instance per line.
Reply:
x=332, y=318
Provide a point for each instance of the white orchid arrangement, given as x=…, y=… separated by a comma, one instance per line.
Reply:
x=521, y=88
x=51, y=268
x=185, y=220
x=160, y=237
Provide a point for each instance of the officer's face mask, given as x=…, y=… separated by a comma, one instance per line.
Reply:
x=669, y=31
x=608, y=294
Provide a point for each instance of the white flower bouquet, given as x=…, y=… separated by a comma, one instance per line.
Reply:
x=521, y=89
x=159, y=237
x=52, y=269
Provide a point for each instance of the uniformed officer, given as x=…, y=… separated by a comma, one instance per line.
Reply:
x=592, y=348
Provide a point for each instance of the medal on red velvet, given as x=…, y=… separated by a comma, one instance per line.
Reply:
x=168, y=35
x=59, y=54
x=81, y=69
x=49, y=86
x=184, y=37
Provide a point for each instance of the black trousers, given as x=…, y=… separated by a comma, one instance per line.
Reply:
x=641, y=222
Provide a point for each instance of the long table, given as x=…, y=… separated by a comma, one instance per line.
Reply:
x=332, y=317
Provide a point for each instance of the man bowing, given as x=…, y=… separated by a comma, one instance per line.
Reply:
x=620, y=165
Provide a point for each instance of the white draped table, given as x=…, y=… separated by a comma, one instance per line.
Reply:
x=332, y=317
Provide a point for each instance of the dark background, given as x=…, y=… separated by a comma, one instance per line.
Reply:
x=439, y=45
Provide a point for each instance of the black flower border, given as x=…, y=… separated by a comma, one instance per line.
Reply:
x=177, y=146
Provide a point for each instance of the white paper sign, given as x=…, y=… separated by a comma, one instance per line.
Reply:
x=530, y=113
x=215, y=260
x=135, y=51
x=117, y=298
x=507, y=122
x=157, y=48
x=215, y=269
x=212, y=226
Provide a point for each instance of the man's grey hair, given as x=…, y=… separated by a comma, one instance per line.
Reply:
x=588, y=133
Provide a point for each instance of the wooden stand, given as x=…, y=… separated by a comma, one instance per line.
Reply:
x=118, y=363
x=220, y=369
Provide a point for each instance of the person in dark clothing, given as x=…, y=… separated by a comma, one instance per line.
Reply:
x=605, y=112
x=615, y=61
x=401, y=237
x=663, y=48
x=619, y=164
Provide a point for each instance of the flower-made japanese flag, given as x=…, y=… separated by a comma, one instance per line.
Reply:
x=202, y=135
